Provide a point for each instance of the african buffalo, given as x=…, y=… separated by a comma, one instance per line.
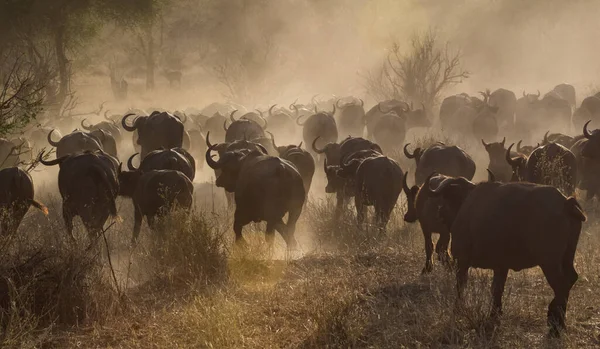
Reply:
x=74, y=142
x=513, y=226
x=377, y=183
x=159, y=130
x=265, y=187
x=154, y=194
x=550, y=164
x=443, y=159
x=350, y=117
x=16, y=196
x=589, y=110
x=498, y=164
x=374, y=115
x=109, y=125
x=88, y=184
x=242, y=129
x=176, y=159
x=320, y=126
x=506, y=102
x=423, y=207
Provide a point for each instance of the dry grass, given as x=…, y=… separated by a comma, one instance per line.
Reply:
x=192, y=289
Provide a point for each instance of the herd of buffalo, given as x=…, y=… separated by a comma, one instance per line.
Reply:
x=524, y=215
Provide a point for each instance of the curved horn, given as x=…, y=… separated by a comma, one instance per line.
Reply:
x=215, y=165
x=271, y=110
x=272, y=140
x=362, y=103
x=545, y=141
x=124, y=123
x=404, y=184
x=261, y=147
x=312, y=100
x=333, y=112
x=406, y=153
x=293, y=105
x=106, y=115
x=300, y=145
x=52, y=143
x=337, y=103
x=266, y=122
x=519, y=146
x=225, y=124
x=503, y=142
x=231, y=115
x=508, y=158
x=586, y=133
x=314, y=146
x=208, y=139
x=428, y=188
x=484, y=143
x=259, y=112
x=298, y=120
x=130, y=163
x=538, y=95
x=491, y=175
x=51, y=162
x=88, y=128
x=185, y=118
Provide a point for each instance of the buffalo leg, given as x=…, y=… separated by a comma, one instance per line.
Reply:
x=382, y=215
x=137, y=224
x=68, y=218
x=238, y=225
x=287, y=232
x=462, y=275
x=360, y=210
x=441, y=248
x=340, y=204
x=428, y=252
x=270, y=233
x=497, y=290
x=558, y=306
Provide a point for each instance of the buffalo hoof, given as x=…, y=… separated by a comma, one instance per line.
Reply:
x=427, y=269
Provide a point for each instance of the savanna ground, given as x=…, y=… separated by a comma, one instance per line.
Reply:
x=193, y=288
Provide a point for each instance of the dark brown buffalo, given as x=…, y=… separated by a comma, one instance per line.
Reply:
x=587, y=154
x=176, y=159
x=265, y=187
x=486, y=125
x=562, y=139
x=377, y=183
x=281, y=122
x=88, y=184
x=159, y=130
x=443, y=159
x=513, y=226
x=389, y=132
x=304, y=162
x=336, y=153
x=589, y=110
x=242, y=129
x=75, y=142
x=374, y=114
x=106, y=139
x=16, y=196
x=154, y=194
x=351, y=117
x=506, y=102
x=566, y=92
x=109, y=125
x=424, y=207
x=498, y=165
x=550, y=164
x=321, y=128
x=214, y=125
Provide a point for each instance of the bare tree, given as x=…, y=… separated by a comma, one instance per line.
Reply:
x=418, y=76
